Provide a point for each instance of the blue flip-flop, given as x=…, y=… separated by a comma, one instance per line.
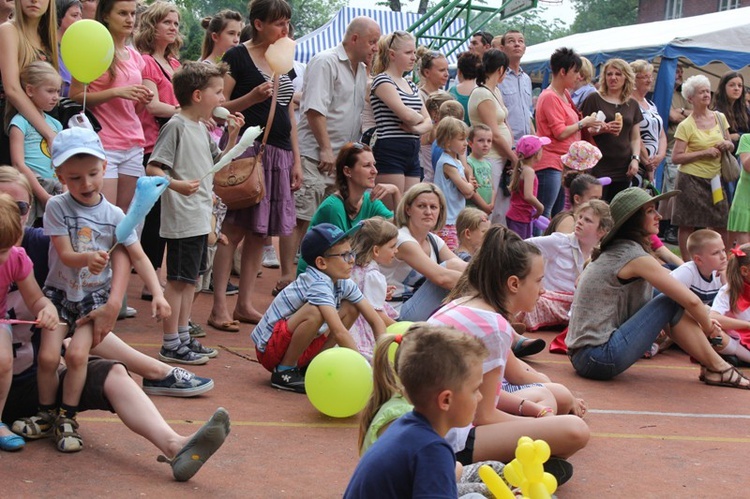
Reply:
x=200, y=447
x=11, y=442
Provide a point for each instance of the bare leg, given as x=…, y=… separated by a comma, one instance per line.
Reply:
x=222, y=269
x=304, y=324
x=175, y=294
x=139, y=413
x=287, y=250
x=252, y=255
x=49, y=360
x=391, y=178
x=497, y=442
x=724, y=235
x=109, y=189
x=112, y=347
x=76, y=359
x=6, y=372
x=739, y=238
x=539, y=395
x=682, y=237
x=125, y=191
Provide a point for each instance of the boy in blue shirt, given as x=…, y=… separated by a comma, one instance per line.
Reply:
x=315, y=311
x=440, y=370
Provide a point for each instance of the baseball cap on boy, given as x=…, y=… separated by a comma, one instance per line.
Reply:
x=528, y=145
x=72, y=141
x=321, y=238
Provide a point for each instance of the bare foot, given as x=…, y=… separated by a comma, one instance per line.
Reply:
x=579, y=408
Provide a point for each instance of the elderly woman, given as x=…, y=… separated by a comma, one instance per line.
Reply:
x=486, y=106
x=699, y=141
x=357, y=196
x=558, y=119
x=425, y=269
x=653, y=137
x=619, y=139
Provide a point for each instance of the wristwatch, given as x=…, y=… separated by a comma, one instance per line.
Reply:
x=635, y=157
x=580, y=125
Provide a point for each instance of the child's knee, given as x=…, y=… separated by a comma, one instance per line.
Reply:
x=48, y=359
x=76, y=357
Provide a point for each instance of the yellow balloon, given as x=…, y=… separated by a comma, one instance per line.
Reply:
x=538, y=491
x=513, y=472
x=542, y=451
x=550, y=482
x=493, y=482
x=525, y=453
x=87, y=50
x=339, y=382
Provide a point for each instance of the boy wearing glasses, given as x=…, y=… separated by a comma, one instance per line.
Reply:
x=315, y=311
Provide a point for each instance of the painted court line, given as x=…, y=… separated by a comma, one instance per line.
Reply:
x=668, y=414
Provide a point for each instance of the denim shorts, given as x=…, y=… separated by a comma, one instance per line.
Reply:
x=398, y=156
x=187, y=258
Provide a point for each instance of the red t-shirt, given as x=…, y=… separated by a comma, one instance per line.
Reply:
x=553, y=115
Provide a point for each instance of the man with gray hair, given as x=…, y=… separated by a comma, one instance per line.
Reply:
x=333, y=97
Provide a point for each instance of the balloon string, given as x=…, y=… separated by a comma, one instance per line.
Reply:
x=85, y=86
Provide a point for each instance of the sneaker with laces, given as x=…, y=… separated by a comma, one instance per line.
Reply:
x=232, y=289
x=292, y=380
x=39, y=426
x=196, y=330
x=179, y=383
x=66, y=435
x=196, y=347
x=270, y=260
x=182, y=355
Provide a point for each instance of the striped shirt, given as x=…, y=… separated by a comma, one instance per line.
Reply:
x=705, y=289
x=313, y=287
x=386, y=121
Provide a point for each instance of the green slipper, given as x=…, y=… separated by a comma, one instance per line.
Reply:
x=200, y=447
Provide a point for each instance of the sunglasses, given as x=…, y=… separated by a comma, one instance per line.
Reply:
x=348, y=256
x=395, y=34
x=23, y=207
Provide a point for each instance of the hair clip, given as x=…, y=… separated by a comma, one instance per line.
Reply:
x=398, y=338
x=737, y=251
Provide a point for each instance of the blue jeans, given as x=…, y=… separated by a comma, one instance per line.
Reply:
x=629, y=342
x=428, y=298
x=550, y=193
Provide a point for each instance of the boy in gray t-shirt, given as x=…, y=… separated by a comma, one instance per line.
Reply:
x=81, y=224
x=184, y=151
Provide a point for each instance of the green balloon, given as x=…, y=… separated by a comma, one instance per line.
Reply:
x=396, y=328
x=338, y=382
x=87, y=50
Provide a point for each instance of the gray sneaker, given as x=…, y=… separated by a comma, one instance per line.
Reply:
x=182, y=355
x=179, y=383
x=196, y=347
x=196, y=330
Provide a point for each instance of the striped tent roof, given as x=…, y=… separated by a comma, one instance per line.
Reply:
x=330, y=34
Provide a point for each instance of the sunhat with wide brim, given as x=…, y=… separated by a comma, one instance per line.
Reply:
x=627, y=203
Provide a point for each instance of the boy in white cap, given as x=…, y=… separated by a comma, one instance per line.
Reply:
x=81, y=224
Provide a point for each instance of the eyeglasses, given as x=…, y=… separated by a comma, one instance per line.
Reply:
x=347, y=256
x=395, y=34
x=23, y=207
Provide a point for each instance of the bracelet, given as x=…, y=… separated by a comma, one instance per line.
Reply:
x=520, y=407
x=545, y=411
x=580, y=125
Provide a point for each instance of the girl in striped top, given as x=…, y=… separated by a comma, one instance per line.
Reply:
x=503, y=277
x=400, y=116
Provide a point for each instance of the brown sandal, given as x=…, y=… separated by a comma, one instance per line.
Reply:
x=729, y=377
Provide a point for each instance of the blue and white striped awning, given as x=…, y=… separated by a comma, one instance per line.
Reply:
x=330, y=34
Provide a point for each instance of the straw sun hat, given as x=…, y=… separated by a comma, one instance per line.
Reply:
x=627, y=203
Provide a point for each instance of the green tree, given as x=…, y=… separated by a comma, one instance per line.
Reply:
x=592, y=15
x=535, y=29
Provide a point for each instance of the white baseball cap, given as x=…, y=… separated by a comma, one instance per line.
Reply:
x=74, y=141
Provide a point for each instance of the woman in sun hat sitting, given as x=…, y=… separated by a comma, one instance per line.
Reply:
x=614, y=318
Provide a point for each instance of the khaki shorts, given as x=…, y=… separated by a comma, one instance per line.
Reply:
x=315, y=186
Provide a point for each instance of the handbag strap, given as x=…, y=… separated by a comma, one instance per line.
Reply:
x=721, y=122
x=271, y=114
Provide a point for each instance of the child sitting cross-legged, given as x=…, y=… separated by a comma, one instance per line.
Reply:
x=315, y=311
x=440, y=370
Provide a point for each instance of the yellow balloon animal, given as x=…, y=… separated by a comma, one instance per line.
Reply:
x=526, y=472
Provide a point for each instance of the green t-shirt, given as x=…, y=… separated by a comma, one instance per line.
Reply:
x=389, y=412
x=483, y=173
x=332, y=211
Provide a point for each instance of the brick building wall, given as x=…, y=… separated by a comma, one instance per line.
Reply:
x=655, y=10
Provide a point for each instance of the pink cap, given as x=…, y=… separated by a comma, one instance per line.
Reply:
x=528, y=145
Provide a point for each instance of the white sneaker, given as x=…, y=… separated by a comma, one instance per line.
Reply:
x=270, y=260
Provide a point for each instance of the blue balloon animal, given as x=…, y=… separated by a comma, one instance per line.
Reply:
x=147, y=191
